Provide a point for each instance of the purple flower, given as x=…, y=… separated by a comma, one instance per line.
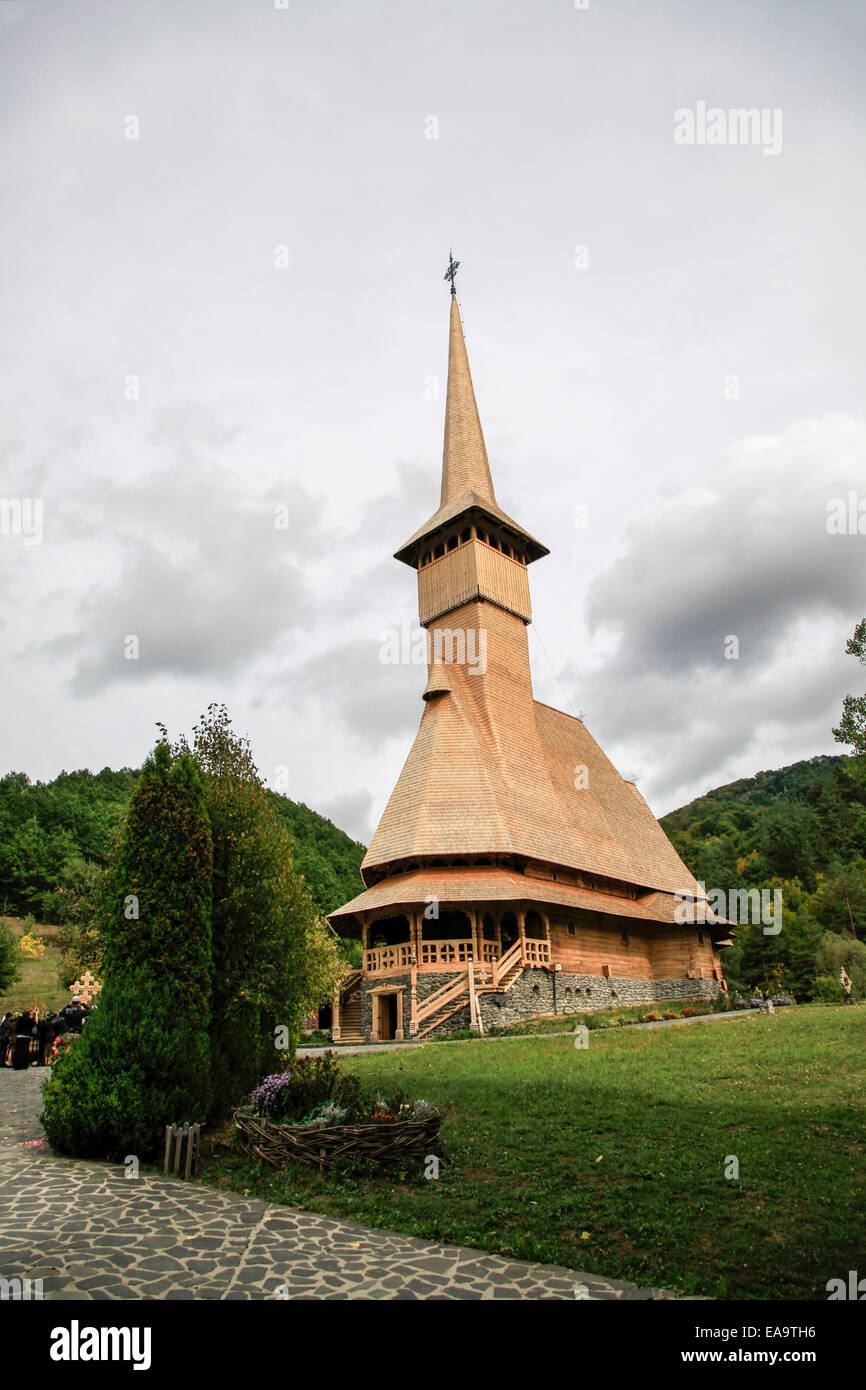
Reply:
x=270, y=1091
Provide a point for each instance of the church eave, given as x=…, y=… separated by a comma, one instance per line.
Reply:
x=468, y=510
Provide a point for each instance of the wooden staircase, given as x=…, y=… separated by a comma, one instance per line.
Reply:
x=464, y=989
x=505, y=971
x=350, y=1010
x=443, y=1003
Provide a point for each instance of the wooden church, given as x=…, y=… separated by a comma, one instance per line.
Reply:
x=514, y=872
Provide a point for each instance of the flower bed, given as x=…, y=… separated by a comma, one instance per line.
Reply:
x=317, y=1113
x=382, y=1141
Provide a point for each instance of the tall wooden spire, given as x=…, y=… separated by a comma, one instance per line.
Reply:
x=467, y=495
x=464, y=456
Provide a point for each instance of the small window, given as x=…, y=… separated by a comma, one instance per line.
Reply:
x=452, y=542
x=700, y=938
x=439, y=551
x=466, y=533
x=571, y=929
x=625, y=938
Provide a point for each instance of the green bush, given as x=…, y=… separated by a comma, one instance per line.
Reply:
x=10, y=957
x=138, y=1066
x=828, y=990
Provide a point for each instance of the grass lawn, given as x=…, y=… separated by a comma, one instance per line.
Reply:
x=40, y=983
x=611, y=1159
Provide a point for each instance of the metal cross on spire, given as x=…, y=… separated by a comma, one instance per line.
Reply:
x=453, y=267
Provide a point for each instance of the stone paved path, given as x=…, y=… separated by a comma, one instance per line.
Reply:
x=91, y=1233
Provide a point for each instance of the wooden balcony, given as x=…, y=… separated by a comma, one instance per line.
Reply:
x=446, y=955
x=385, y=960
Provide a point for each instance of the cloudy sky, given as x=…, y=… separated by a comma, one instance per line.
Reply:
x=224, y=231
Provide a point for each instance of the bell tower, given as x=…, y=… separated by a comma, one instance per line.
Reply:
x=469, y=549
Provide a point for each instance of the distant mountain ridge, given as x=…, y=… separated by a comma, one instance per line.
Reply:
x=47, y=828
x=793, y=822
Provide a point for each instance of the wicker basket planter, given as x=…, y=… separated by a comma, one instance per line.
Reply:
x=385, y=1142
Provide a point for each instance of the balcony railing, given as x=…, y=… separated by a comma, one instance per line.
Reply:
x=382, y=960
x=445, y=955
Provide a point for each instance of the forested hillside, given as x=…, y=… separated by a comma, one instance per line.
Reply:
x=54, y=835
x=801, y=829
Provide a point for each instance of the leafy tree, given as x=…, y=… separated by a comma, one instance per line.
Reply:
x=852, y=727
x=351, y=952
x=839, y=904
x=787, y=840
x=836, y=951
x=159, y=896
x=10, y=957
x=144, y=1054
x=780, y=963
x=80, y=898
x=274, y=958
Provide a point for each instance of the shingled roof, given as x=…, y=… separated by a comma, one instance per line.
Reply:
x=491, y=774
x=467, y=884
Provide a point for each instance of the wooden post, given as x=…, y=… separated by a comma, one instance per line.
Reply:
x=167, y=1148
x=473, y=917
x=178, y=1145
x=398, y=1031
x=474, y=1016
x=413, y=1003
x=521, y=923
x=192, y=1137
x=335, y=1017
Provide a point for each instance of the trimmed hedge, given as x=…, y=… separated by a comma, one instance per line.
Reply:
x=139, y=1065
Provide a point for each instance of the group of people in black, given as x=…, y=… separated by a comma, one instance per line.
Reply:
x=25, y=1041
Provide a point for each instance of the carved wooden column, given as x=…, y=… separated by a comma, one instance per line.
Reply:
x=398, y=1031
x=474, y=916
x=416, y=936
x=413, y=1002
x=335, y=1018
x=474, y=1016
x=521, y=923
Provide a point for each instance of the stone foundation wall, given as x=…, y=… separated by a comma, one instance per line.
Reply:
x=532, y=995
